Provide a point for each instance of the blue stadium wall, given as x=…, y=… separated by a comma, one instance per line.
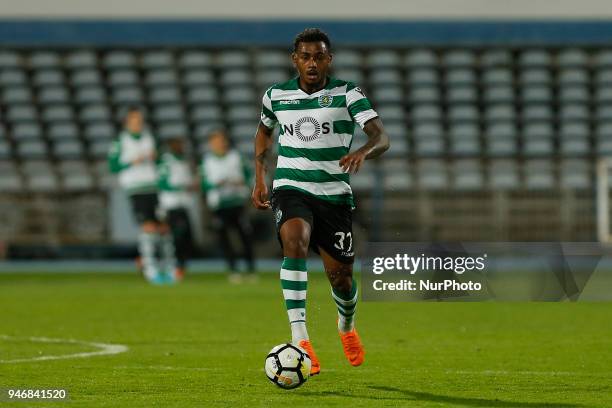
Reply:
x=142, y=33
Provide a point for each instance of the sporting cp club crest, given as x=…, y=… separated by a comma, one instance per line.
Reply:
x=325, y=100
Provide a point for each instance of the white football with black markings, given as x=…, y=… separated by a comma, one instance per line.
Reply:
x=287, y=366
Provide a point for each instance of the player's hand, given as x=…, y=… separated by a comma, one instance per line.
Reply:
x=351, y=163
x=259, y=197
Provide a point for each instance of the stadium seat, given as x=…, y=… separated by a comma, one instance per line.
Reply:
x=422, y=77
x=11, y=179
x=195, y=60
x=350, y=74
x=460, y=77
x=67, y=149
x=432, y=174
x=495, y=58
x=39, y=176
x=429, y=139
x=603, y=96
x=498, y=94
x=385, y=77
x=86, y=77
x=572, y=57
x=574, y=113
x=531, y=77
x=10, y=60
x=168, y=113
x=426, y=113
x=10, y=78
x=397, y=175
x=67, y=130
x=462, y=95
x=536, y=95
x=53, y=95
x=44, y=60
x=90, y=95
x=5, y=150
x=128, y=96
x=171, y=130
x=236, y=78
x=603, y=77
x=467, y=175
x=575, y=174
x=75, y=175
x=160, y=78
x=273, y=59
x=99, y=149
x=83, y=59
x=21, y=113
x=48, y=78
x=346, y=58
x=537, y=113
x=32, y=149
x=603, y=59
x=538, y=139
x=100, y=131
x=501, y=139
x=574, y=94
x=121, y=78
x=381, y=59
x=391, y=113
x=206, y=113
x=463, y=113
x=57, y=113
x=157, y=59
x=464, y=140
x=104, y=178
x=196, y=78
x=500, y=113
x=498, y=77
x=539, y=175
x=16, y=95
x=233, y=59
x=574, y=139
x=424, y=95
x=535, y=58
x=94, y=113
x=398, y=134
x=603, y=137
x=571, y=77
x=604, y=113
x=27, y=131
x=119, y=60
x=240, y=95
x=421, y=59
x=268, y=77
x=459, y=59
x=503, y=175
x=202, y=95
x=242, y=113
x=387, y=95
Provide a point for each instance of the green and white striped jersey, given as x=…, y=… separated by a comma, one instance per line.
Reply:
x=316, y=130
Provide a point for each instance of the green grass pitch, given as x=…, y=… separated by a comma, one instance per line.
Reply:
x=202, y=344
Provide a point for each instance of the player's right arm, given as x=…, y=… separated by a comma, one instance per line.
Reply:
x=263, y=144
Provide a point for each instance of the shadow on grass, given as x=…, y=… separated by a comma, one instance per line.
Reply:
x=407, y=395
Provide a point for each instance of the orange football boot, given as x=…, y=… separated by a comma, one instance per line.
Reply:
x=353, y=349
x=315, y=367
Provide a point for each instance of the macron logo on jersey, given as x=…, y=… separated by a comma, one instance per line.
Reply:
x=290, y=102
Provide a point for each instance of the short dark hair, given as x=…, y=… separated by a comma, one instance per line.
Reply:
x=311, y=35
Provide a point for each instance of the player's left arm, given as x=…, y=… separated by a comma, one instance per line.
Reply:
x=377, y=144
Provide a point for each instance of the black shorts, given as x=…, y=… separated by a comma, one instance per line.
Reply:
x=144, y=206
x=332, y=224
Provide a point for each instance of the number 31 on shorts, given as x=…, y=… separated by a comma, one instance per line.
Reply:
x=344, y=239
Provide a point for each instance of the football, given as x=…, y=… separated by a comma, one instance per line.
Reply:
x=287, y=366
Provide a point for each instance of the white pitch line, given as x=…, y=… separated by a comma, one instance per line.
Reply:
x=105, y=349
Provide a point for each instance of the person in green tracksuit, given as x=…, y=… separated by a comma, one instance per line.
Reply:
x=226, y=180
x=132, y=156
x=176, y=188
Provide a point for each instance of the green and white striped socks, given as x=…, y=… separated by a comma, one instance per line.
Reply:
x=294, y=281
x=346, y=302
